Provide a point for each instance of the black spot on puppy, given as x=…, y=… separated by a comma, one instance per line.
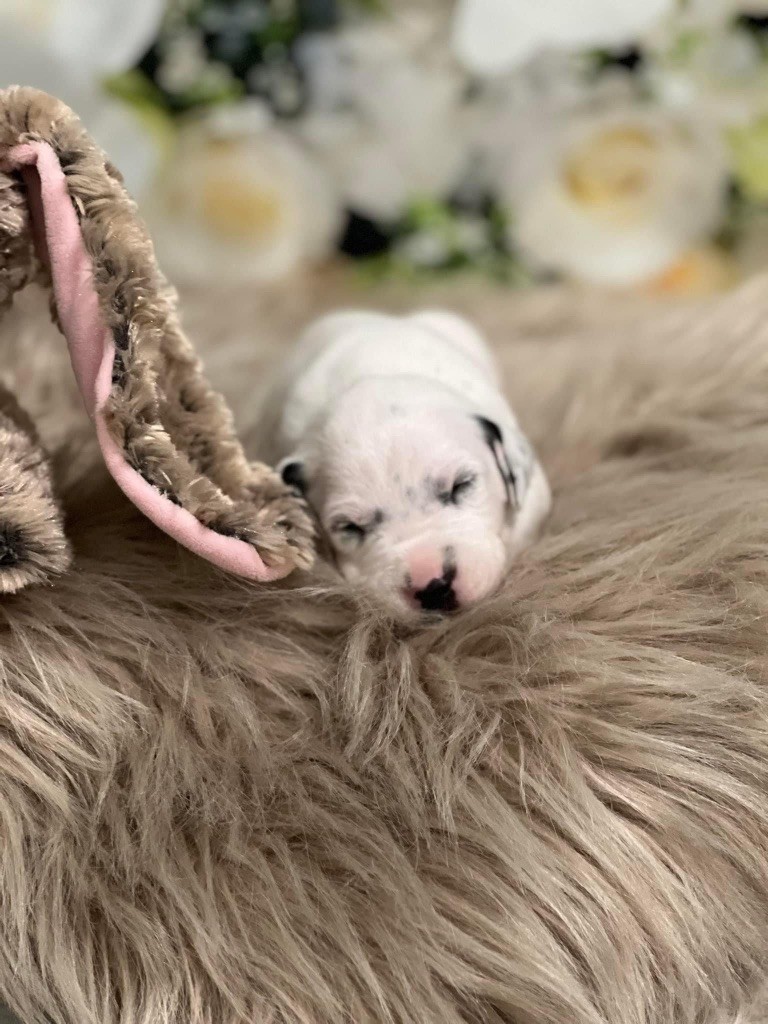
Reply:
x=491, y=431
x=495, y=441
x=292, y=474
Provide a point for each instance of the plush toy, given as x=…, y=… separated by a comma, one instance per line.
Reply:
x=166, y=437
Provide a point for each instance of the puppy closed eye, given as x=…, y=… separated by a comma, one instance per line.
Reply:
x=350, y=530
x=346, y=530
x=462, y=485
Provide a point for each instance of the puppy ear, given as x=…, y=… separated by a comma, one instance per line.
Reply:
x=513, y=459
x=292, y=472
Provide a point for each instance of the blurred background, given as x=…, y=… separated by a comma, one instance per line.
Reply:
x=611, y=144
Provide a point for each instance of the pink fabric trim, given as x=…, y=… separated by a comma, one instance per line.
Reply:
x=76, y=300
x=92, y=350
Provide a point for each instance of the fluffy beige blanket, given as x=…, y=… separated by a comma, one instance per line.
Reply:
x=225, y=804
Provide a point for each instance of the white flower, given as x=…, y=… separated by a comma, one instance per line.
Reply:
x=516, y=117
x=89, y=37
x=711, y=12
x=184, y=61
x=492, y=36
x=240, y=201
x=65, y=47
x=616, y=196
x=386, y=114
x=423, y=249
x=722, y=76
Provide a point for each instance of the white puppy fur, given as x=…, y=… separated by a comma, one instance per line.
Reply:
x=396, y=431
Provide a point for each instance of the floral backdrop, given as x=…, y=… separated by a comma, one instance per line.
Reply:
x=622, y=143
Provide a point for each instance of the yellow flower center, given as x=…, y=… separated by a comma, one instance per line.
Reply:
x=239, y=210
x=235, y=205
x=612, y=171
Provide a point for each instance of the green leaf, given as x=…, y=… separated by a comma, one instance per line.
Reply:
x=135, y=88
x=211, y=89
x=749, y=147
x=685, y=45
x=368, y=6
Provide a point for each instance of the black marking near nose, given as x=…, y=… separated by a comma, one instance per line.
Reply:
x=449, y=564
x=439, y=595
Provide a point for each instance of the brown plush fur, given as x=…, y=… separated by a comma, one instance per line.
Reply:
x=171, y=427
x=33, y=548
x=16, y=256
x=225, y=804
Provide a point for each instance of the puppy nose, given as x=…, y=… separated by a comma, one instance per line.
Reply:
x=438, y=595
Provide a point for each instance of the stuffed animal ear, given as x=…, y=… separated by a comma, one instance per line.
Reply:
x=33, y=548
x=166, y=437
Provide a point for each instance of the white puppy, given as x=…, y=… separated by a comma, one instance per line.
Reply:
x=395, y=431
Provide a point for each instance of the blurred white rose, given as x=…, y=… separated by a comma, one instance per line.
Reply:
x=90, y=37
x=492, y=36
x=240, y=201
x=184, y=61
x=386, y=114
x=66, y=47
x=616, y=196
x=720, y=75
x=703, y=13
x=517, y=116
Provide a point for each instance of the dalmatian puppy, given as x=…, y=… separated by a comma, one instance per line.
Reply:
x=395, y=431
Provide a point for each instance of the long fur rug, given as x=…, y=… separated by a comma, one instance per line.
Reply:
x=225, y=804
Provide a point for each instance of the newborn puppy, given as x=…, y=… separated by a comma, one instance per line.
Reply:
x=395, y=431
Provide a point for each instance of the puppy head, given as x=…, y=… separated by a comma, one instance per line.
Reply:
x=418, y=501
